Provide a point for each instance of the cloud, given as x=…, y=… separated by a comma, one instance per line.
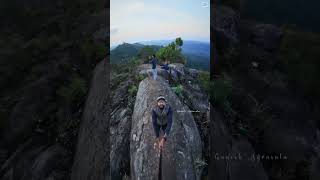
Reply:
x=113, y=30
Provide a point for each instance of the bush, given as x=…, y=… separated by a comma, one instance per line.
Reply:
x=139, y=77
x=220, y=90
x=133, y=89
x=92, y=52
x=178, y=89
x=74, y=91
x=204, y=80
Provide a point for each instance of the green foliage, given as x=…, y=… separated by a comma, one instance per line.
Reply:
x=178, y=89
x=199, y=163
x=204, y=80
x=171, y=52
x=91, y=51
x=123, y=53
x=140, y=77
x=145, y=52
x=74, y=91
x=133, y=89
x=220, y=90
x=179, y=41
x=299, y=54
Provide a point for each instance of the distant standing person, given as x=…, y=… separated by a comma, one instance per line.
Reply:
x=154, y=67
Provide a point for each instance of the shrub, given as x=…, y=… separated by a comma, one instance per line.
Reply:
x=139, y=77
x=220, y=90
x=74, y=91
x=133, y=89
x=204, y=80
x=178, y=89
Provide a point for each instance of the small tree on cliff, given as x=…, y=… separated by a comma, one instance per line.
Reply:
x=172, y=52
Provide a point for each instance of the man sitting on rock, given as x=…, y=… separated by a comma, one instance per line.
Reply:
x=162, y=119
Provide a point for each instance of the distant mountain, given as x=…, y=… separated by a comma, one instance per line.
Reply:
x=189, y=46
x=197, y=53
x=123, y=52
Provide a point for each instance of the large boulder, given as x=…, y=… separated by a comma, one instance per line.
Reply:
x=182, y=150
x=91, y=160
x=145, y=69
x=230, y=158
x=28, y=111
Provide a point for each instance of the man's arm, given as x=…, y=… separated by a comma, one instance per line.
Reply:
x=154, y=123
x=167, y=131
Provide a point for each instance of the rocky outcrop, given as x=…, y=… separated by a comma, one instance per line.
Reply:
x=231, y=158
x=91, y=160
x=120, y=126
x=28, y=111
x=225, y=25
x=35, y=160
x=183, y=147
x=145, y=69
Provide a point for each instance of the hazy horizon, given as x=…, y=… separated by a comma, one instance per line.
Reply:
x=134, y=21
x=195, y=40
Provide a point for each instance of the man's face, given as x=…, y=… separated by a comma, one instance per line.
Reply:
x=161, y=103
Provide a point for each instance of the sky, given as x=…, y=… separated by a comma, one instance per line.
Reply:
x=143, y=20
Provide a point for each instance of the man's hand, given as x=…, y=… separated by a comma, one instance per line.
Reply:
x=156, y=143
x=161, y=143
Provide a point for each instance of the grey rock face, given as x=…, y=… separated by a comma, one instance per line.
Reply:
x=92, y=157
x=183, y=146
x=28, y=111
x=224, y=145
x=225, y=26
x=120, y=126
x=35, y=161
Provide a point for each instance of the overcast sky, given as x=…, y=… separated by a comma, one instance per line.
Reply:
x=141, y=20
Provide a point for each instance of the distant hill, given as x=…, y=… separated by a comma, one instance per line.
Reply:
x=197, y=53
x=124, y=52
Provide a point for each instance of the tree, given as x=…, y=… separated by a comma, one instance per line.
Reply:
x=179, y=41
x=171, y=52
